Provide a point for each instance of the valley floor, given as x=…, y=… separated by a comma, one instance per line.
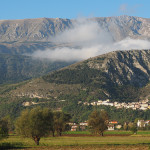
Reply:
x=71, y=142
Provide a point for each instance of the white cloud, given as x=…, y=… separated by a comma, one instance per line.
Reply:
x=84, y=32
x=125, y=9
x=87, y=40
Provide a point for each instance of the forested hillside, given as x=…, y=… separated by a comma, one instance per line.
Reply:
x=120, y=75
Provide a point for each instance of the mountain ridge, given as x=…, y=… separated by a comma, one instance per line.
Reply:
x=42, y=28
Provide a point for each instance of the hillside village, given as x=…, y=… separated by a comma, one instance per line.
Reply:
x=141, y=105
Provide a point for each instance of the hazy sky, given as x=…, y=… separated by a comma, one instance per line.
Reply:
x=20, y=9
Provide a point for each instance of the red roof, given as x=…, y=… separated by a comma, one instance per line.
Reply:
x=113, y=121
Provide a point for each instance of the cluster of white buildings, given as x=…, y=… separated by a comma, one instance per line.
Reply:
x=142, y=105
x=142, y=123
x=81, y=125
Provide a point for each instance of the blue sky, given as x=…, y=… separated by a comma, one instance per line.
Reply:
x=21, y=9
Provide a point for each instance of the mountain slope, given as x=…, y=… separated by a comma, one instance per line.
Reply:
x=119, y=75
x=15, y=68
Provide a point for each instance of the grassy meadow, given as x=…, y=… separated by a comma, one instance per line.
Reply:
x=124, y=140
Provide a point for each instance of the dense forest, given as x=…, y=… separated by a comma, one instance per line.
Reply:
x=95, y=81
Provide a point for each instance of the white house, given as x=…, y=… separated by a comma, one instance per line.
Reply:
x=111, y=127
x=141, y=123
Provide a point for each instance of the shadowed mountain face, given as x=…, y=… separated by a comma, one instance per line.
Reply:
x=15, y=68
x=119, y=75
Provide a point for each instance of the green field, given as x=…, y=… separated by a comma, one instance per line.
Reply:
x=72, y=141
x=115, y=132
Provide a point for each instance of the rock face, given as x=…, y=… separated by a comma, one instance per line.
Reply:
x=43, y=28
x=126, y=26
x=31, y=29
x=124, y=67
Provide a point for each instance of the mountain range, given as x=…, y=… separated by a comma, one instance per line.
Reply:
x=43, y=28
x=27, y=35
x=22, y=37
x=121, y=76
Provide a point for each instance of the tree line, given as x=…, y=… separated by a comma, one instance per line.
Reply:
x=40, y=122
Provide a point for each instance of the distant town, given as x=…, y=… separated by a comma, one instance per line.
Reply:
x=141, y=105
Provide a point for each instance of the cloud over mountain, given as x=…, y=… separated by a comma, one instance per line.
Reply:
x=86, y=39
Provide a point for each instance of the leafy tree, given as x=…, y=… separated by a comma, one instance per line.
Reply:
x=3, y=128
x=10, y=123
x=130, y=125
x=133, y=128
x=60, y=121
x=98, y=122
x=35, y=123
x=136, y=120
x=125, y=126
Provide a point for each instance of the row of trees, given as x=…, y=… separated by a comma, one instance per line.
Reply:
x=38, y=122
x=41, y=122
